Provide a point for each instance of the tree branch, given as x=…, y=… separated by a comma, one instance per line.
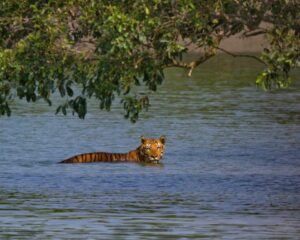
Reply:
x=191, y=65
x=242, y=55
x=252, y=34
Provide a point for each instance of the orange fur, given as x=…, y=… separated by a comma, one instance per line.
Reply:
x=150, y=150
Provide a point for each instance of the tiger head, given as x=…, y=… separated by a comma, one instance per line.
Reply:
x=152, y=150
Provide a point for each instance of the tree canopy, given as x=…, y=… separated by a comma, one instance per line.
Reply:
x=110, y=48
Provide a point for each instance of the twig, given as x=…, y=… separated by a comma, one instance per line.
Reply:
x=251, y=34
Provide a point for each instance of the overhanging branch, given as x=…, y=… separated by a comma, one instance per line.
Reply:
x=193, y=64
x=254, y=33
x=241, y=55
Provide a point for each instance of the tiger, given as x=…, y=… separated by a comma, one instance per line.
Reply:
x=149, y=151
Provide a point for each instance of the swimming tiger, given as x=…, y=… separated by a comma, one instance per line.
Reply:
x=150, y=151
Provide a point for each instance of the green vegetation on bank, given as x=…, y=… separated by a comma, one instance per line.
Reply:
x=106, y=48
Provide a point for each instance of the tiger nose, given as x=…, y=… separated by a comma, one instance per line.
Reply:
x=154, y=156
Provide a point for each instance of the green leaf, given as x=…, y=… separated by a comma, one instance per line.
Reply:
x=58, y=109
x=64, y=110
x=69, y=91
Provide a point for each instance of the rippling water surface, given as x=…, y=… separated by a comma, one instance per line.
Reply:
x=231, y=168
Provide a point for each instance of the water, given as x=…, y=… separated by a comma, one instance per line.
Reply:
x=231, y=168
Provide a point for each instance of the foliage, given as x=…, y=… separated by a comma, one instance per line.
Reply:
x=119, y=48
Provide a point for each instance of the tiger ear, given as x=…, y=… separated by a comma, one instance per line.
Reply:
x=163, y=139
x=143, y=139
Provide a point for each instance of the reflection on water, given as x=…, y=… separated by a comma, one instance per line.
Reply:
x=231, y=168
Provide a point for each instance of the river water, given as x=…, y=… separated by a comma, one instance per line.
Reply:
x=231, y=168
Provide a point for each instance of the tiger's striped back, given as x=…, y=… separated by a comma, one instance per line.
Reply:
x=150, y=150
x=99, y=157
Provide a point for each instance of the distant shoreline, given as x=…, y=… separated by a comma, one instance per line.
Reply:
x=238, y=44
x=241, y=44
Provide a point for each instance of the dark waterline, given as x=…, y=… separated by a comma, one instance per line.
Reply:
x=231, y=168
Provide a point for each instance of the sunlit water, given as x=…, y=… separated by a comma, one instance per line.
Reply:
x=231, y=168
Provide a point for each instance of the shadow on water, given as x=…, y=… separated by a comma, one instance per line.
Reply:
x=230, y=170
